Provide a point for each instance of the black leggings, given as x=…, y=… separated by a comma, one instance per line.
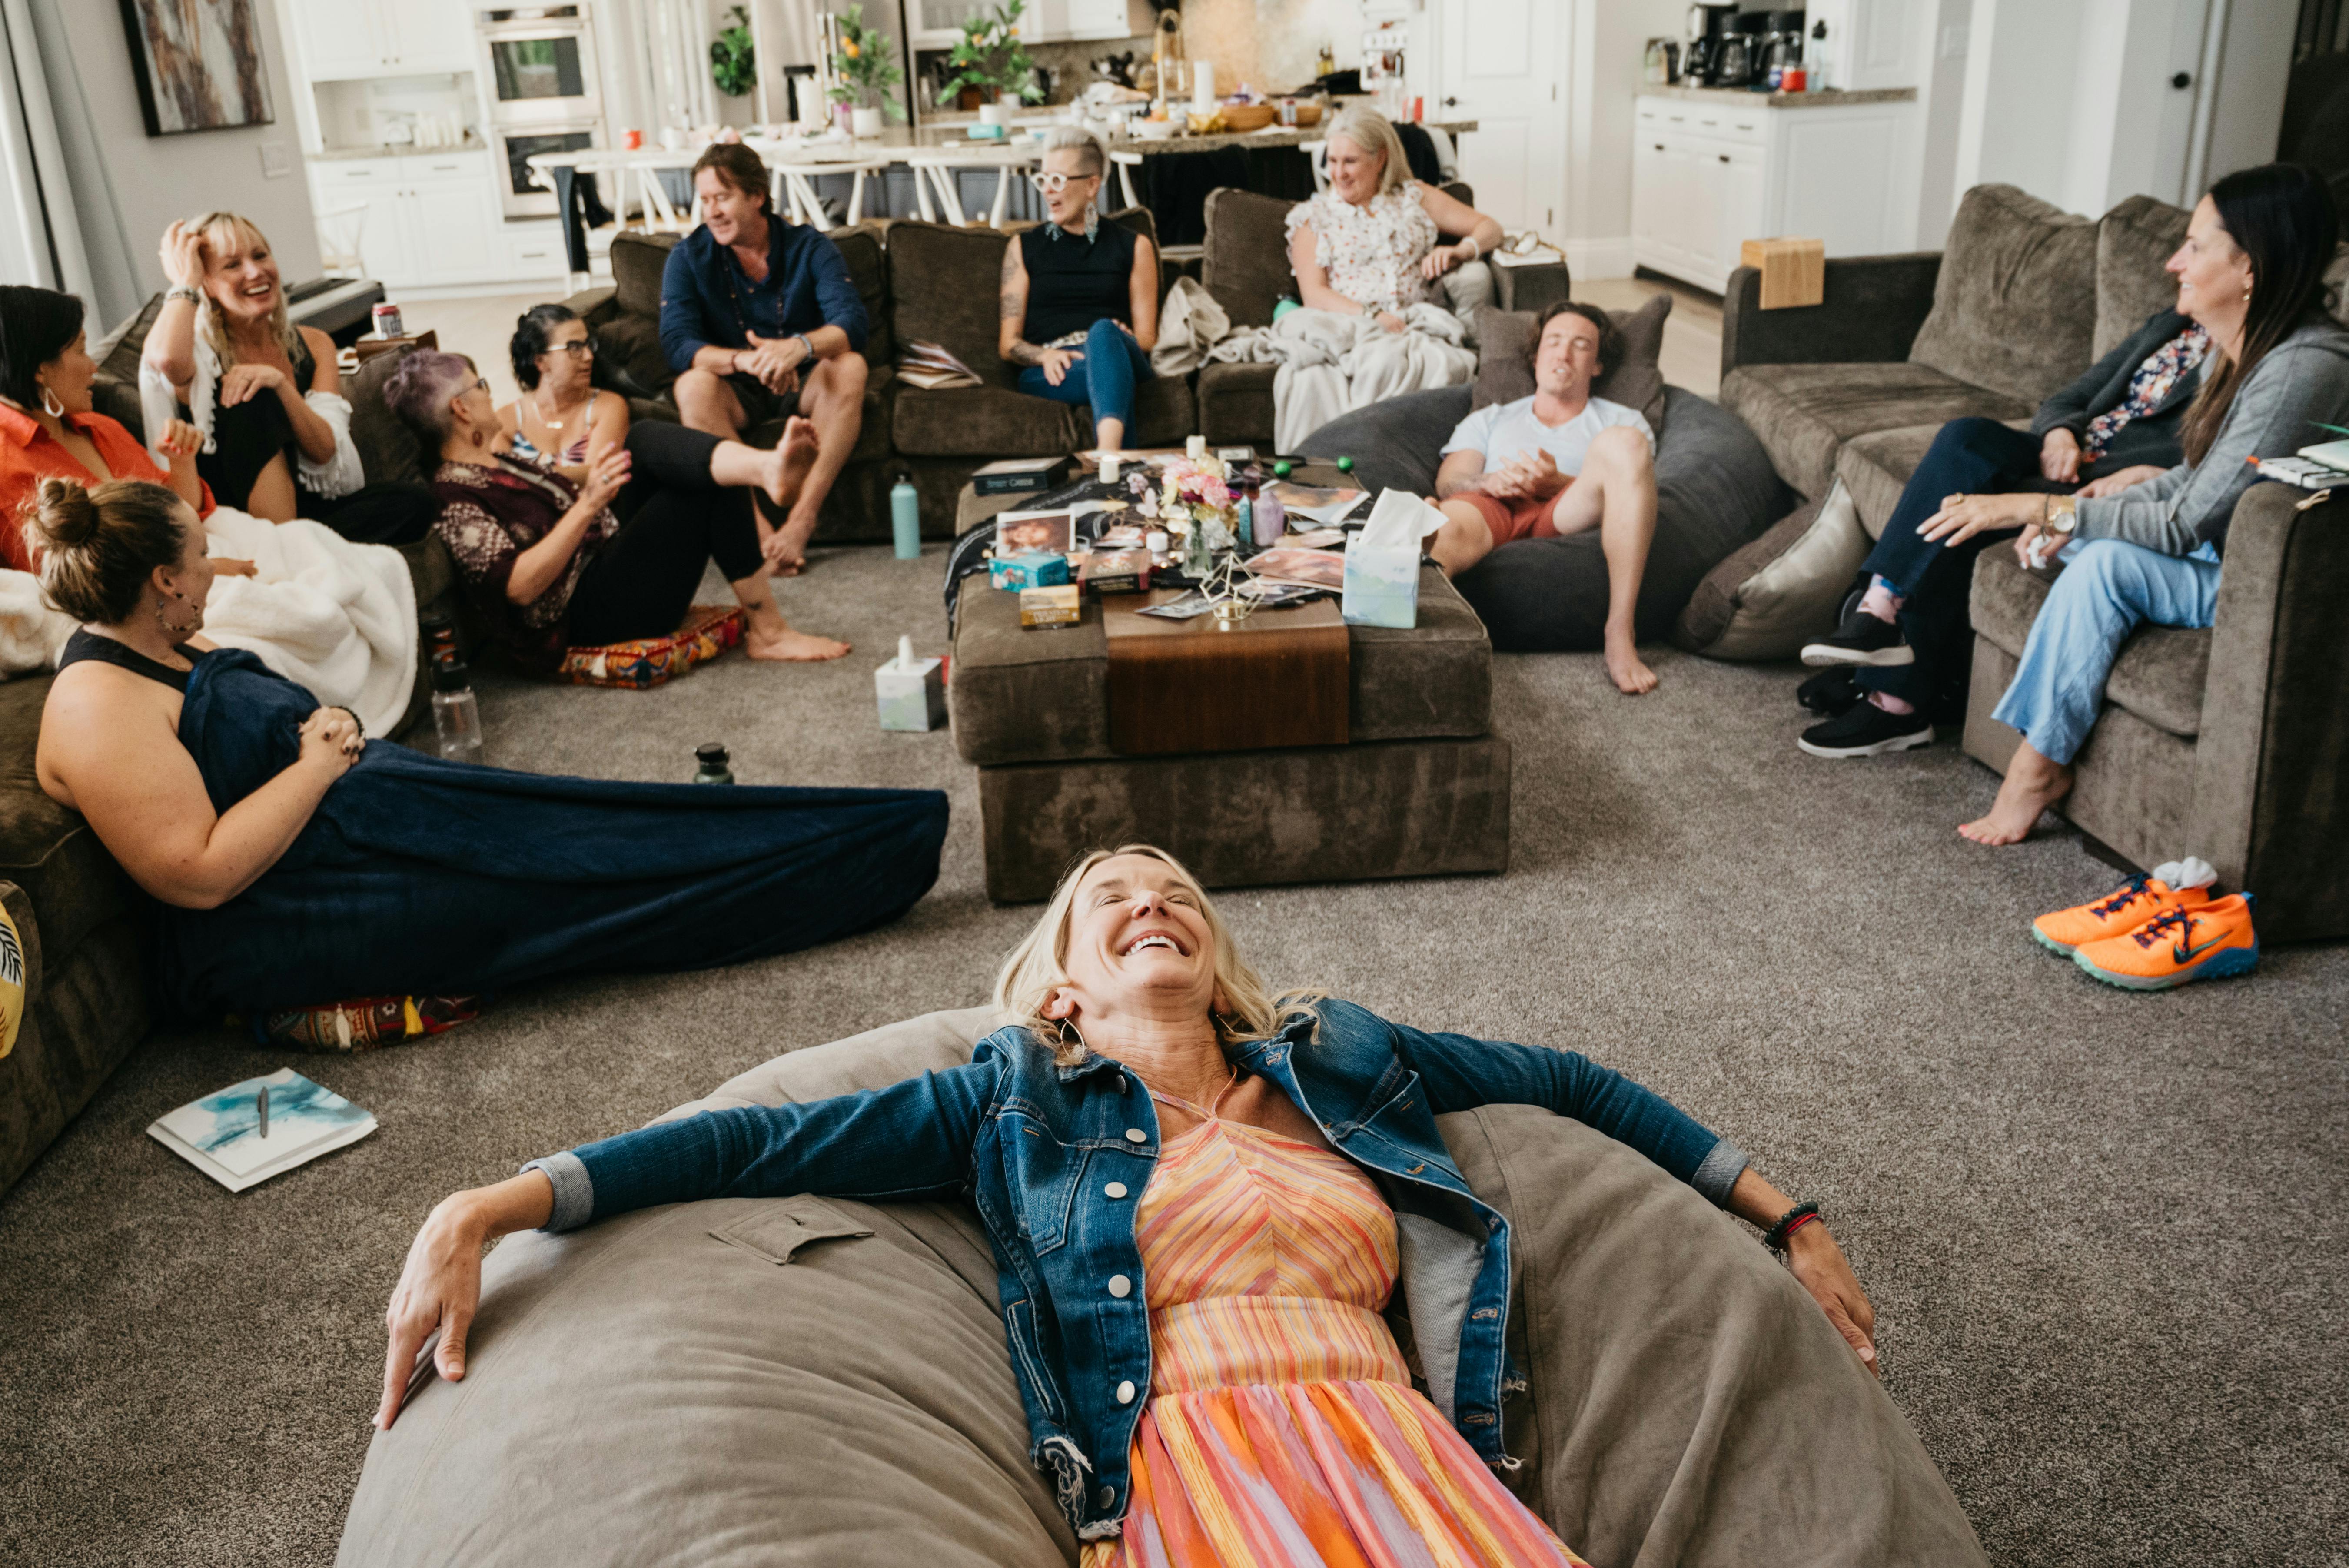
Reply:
x=675, y=519
x=249, y=437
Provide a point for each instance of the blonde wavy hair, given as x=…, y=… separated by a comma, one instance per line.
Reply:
x=1038, y=964
x=240, y=231
x=1372, y=132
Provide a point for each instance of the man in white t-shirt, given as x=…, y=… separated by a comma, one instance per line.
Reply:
x=1561, y=461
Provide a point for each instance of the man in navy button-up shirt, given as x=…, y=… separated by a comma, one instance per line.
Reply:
x=760, y=319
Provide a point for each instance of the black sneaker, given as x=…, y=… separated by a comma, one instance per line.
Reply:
x=1830, y=692
x=1867, y=730
x=1862, y=639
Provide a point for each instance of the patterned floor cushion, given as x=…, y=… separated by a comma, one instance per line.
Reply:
x=709, y=631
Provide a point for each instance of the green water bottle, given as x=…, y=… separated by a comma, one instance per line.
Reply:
x=716, y=767
x=905, y=517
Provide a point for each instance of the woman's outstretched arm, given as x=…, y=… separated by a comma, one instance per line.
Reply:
x=441, y=1287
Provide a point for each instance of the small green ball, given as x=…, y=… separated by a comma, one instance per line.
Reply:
x=1345, y=465
x=1282, y=470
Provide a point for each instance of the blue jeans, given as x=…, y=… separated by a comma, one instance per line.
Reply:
x=2107, y=588
x=1112, y=366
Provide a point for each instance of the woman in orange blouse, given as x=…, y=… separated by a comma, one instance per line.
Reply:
x=48, y=429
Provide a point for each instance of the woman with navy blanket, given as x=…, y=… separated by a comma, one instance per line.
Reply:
x=1079, y=297
x=297, y=866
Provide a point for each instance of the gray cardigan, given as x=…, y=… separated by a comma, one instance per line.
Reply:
x=2304, y=380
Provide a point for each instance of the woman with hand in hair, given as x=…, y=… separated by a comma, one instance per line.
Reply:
x=561, y=416
x=296, y=866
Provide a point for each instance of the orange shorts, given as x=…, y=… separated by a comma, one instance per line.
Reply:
x=1511, y=519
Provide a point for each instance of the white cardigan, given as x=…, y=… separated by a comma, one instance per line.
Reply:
x=159, y=405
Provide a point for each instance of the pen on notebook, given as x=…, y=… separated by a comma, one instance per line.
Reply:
x=264, y=1110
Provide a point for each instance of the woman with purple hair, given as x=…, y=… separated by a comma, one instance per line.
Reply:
x=552, y=564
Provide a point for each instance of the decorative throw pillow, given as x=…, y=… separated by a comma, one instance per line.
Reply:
x=1785, y=589
x=389, y=450
x=366, y=1022
x=1505, y=370
x=709, y=631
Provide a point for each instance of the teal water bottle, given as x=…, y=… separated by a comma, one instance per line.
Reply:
x=906, y=518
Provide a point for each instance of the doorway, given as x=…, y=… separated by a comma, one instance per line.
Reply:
x=1505, y=71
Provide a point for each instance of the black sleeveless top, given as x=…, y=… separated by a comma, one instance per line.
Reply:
x=84, y=645
x=1073, y=281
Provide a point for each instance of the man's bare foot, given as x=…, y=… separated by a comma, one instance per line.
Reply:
x=790, y=462
x=1631, y=674
x=2033, y=784
x=788, y=647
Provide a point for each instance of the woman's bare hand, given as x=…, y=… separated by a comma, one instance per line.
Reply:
x=2059, y=457
x=181, y=440
x=1055, y=363
x=1821, y=1268
x=183, y=256
x=1440, y=261
x=440, y=1289
x=245, y=382
x=1963, y=516
x=1391, y=322
x=606, y=479
x=330, y=738
x=2121, y=479
x=2030, y=537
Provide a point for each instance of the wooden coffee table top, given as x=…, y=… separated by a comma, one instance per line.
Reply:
x=971, y=508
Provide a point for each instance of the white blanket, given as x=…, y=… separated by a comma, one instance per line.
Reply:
x=334, y=617
x=1332, y=363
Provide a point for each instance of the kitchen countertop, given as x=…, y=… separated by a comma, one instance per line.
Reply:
x=405, y=149
x=1827, y=98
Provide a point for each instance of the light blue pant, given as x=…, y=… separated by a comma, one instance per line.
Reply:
x=2107, y=589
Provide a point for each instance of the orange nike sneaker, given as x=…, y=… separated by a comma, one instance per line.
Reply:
x=2115, y=914
x=2207, y=942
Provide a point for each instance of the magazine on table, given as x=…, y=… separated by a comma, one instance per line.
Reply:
x=934, y=367
x=1314, y=502
x=244, y=1134
x=1312, y=568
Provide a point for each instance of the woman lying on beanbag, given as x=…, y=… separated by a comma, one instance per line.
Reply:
x=1198, y=1194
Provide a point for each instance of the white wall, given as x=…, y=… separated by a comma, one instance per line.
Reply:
x=1605, y=42
x=1941, y=93
x=2255, y=63
x=127, y=185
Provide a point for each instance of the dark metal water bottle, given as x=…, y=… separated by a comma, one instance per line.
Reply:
x=716, y=767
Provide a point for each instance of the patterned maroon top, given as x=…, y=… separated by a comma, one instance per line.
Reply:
x=490, y=513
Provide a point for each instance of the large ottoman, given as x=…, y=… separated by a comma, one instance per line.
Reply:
x=1421, y=787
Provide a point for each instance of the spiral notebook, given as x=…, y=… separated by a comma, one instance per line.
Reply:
x=233, y=1139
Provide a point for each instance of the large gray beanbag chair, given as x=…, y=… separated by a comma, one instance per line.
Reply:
x=793, y=1380
x=1714, y=490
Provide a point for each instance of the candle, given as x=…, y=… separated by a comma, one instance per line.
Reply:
x=1195, y=448
x=1109, y=467
x=1203, y=87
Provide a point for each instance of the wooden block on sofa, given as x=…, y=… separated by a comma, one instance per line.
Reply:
x=1794, y=272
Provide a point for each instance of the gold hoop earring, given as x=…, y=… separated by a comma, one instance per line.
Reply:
x=49, y=403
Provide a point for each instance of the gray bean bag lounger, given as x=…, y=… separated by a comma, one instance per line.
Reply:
x=805, y=1382
x=1715, y=490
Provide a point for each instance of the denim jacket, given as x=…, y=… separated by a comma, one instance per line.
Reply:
x=1056, y=1159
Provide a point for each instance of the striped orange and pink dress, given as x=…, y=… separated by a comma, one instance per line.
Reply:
x=1282, y=1430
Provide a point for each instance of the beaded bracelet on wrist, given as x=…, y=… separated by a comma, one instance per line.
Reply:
x=1793, y=1220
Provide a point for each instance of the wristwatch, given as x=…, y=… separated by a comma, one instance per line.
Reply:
x=1370, y=312
x=182, y=291
x=2061, y=514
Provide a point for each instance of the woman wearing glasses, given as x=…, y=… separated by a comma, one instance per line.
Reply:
x=1080, y=297
x=552, y=564
x=560, y=415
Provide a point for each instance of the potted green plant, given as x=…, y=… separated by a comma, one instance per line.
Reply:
x=732, y=66
x=990, y=65
x=865, y=68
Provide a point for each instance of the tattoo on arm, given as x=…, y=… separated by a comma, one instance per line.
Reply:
x=1013, y=294
x=1025, y=353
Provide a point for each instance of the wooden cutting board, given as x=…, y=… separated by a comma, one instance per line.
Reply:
x=1278, y=678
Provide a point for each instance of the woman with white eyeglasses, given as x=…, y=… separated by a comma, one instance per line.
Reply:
x=560, y=415
x=1079, y=297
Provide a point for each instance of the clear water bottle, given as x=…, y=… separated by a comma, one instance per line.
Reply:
x=712, y=765
x=456, y=715
x=906, y=518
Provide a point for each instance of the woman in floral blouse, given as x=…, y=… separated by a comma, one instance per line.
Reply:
x=1368, y=245
x=555, y=565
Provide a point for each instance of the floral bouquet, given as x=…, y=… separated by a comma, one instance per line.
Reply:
x=1190, y=498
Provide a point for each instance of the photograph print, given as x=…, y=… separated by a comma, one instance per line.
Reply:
x=199, y=63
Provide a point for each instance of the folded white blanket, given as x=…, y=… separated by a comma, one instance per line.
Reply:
x=1332, y=363
x=332, y=616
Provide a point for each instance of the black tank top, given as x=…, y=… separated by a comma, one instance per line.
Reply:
x=1073, y=281
x=84, y=645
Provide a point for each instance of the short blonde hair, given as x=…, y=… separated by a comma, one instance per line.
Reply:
x=1373, y=133
x=1078, y=140
x=1038, y=965
x=242, y=232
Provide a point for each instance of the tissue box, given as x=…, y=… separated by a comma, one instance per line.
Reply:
x=911, y=697
x=1054, y=607
x=1382, y=585
x=1036, y=569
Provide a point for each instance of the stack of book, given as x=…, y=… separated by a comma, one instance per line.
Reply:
x=933, y=367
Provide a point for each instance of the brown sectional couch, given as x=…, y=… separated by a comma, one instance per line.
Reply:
x=2230, y=743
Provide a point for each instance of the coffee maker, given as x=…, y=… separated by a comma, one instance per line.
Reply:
x=1706, y=26
x=1783, y=51
x=1737, y=57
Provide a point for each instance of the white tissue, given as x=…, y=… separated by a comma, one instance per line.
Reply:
x=2192, y=872
x=1398, y=521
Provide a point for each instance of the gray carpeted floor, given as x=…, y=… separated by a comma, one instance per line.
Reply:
x=2102, y=1230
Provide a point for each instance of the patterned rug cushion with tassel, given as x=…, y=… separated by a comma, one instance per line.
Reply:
x=709, y=631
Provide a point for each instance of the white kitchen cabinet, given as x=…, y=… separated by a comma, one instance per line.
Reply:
x=1058, y=21
x=1708, y=174
x=430, y=220
x=341, y=39
x=937, y=24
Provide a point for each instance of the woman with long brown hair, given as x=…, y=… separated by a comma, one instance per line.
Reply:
x=2251, y=272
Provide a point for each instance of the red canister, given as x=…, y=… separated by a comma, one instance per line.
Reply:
x=387, y=320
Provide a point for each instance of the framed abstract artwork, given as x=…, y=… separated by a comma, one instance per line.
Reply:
x=199, y=63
